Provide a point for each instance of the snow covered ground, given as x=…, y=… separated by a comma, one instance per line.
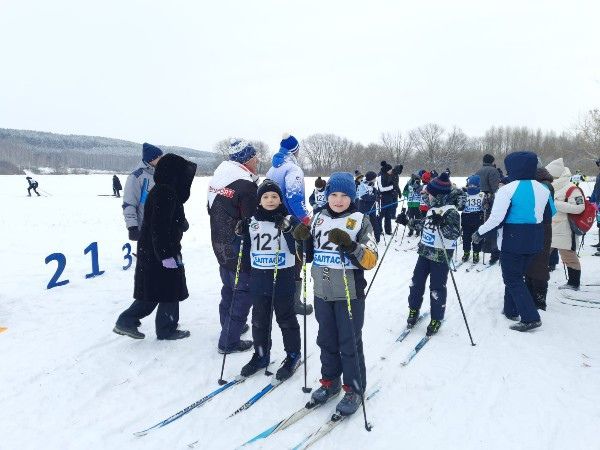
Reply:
x=68, y=382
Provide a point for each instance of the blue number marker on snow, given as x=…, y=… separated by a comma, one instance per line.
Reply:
x=93, y=247
x=62, y=262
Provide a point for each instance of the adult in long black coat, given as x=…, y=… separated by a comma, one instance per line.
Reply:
x=159, y=272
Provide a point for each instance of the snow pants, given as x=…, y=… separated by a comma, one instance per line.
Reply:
x=167, y=316
x=470, y=223
x=238, y=302
x=388, y=211
x=438, y=276
x=336, y=343
x=517, y=298
x=376, y=224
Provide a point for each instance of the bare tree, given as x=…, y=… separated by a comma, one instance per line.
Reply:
x=325, y=153
x=588, y=134
x=398, y=147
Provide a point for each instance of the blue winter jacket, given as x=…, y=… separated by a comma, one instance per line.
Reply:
x=595, y=197
x=289, y=176
x=519, y=207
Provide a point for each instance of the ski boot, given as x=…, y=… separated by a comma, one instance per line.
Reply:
x=328, y=390
x=350, y=403
x=475, y=257
x=132, y=332
x=413, y=316
x=410, y=233
x=494, y=259
x=526, y=326
x=433, y=327
x=175, y=335
x=256, y=363
x=242, y=346
x=466, y=256
x=288, y=367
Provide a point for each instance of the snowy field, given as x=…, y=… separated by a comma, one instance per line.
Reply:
x=68, y=382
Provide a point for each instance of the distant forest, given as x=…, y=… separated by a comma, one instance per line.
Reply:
x=427, y=147
x=31, y=150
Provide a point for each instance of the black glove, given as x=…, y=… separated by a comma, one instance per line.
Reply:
x=134, y=233
x=402, y=218
x=283, y=223
x=184, y=225
x=436, y=219
x=301, y=232
x=342, y=240
x=476, y=238
x=241, y=227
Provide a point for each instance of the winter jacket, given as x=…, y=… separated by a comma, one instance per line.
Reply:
x=367, y=196
x=450, y=230
x=317, y=199
x=231, y=196
x=412, y=192
x=595, y=197
x=32, y=183
x=289, y=176
x=161, y=233
x=489, y=178
x=117, y=183
x=328, y=281
x=562, y=236
x=138, y=185
x=538, y=268
x=385, y=185
x=519, y=207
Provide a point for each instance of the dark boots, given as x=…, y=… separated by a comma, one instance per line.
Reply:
x=574, y=280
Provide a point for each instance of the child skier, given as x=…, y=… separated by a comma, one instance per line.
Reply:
x=367, y=196
x=317, y=199
x=32, y=185
x=443, y=217
x=272, y=248
x=472, y=217
x=340, y=228
x=412, y=193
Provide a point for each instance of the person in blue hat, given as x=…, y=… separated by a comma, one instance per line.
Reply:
x=340, y=227
x=472, y=217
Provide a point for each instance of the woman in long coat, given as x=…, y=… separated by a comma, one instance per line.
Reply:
x=159, y=272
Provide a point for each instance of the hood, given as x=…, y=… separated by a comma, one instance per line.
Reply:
x=174, y=171
x=521, y=165
x=280, y=158
x=556, y=167
x=542, y=174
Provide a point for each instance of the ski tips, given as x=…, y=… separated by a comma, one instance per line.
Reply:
x=140, y=433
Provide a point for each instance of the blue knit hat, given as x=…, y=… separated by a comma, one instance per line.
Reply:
x=289, y=144
x=341, y=182
x=150, y=152
x=241, y=151
x=473, y=184
x=440, y=185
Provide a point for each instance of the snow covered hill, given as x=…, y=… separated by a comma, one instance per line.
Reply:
x=68, y=382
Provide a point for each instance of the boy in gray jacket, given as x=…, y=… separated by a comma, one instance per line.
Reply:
x=339, y=227
x=138, y=184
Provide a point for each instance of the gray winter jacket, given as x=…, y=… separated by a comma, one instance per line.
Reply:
x=328, y=282
x=490, y=178
x=138, y=184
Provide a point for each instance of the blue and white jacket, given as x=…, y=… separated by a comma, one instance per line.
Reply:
x=519, y=207
x=137, y=187
x=289, y=176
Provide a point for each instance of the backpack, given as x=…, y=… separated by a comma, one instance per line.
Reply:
x=582, y=222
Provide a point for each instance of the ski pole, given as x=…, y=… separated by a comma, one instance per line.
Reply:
x=455, y=287
x=565, y=268
x=368, y=426
x=381, y=262
x=221, y=381
x=270, y=341
x=581, y=245
x=305, y=389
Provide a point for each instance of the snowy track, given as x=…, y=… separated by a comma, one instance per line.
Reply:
x=68, y=382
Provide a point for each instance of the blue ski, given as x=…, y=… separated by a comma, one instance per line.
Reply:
x=416, y=350
x=239, y=379
x=407, y=330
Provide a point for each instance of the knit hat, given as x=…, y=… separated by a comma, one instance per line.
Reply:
x=269, y=186
x=320, y=183
x=420, y=173
x=488, y=159
x=385, y=167
x=289, y=144
x=440, y=185
x=241, y=151
x=426, y=177
x=370, y=175
x=341, y=182
x=150, y=152
x=474, y=180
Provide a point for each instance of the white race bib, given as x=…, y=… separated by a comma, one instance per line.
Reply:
x=430, y=237
x=474, y=203
x=326, y=253
x=263, y=237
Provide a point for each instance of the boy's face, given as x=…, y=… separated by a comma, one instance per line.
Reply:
x=270, y=201
x=338, y=201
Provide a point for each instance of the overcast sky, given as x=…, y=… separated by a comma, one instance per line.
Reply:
x=192, y=72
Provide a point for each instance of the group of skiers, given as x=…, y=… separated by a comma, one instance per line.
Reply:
x=263, y=236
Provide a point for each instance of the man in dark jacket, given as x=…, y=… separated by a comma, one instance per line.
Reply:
x=159, y=271
x=489, y=183
x=389, y=196
x=117, y=188
x=232, y=198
